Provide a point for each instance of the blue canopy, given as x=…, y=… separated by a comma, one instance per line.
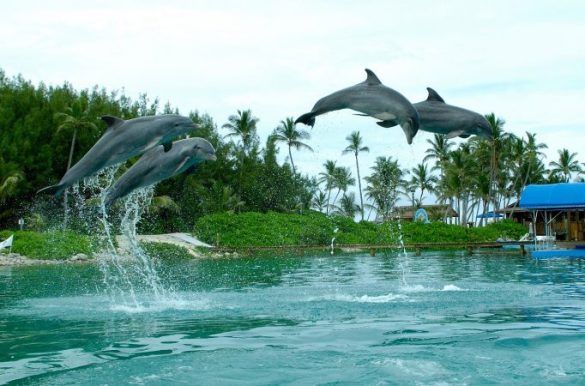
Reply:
x=553, y=196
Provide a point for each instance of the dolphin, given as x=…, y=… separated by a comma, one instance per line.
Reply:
x=371, y=98
x=122, y=140
x=436, y=116
x=157, y=165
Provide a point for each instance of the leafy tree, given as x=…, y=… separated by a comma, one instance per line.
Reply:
x=383, y=185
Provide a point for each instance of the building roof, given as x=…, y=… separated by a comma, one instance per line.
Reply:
x=553, y=196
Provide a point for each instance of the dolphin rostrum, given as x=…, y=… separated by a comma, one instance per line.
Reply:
x=122, y=140
x=371, y=98
x=157, y=165
x=436, y=116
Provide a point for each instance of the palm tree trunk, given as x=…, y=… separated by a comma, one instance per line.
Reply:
x=357, y=166
x=337, y=195
x=72, y=148
x=291, y=160
x=65, y=195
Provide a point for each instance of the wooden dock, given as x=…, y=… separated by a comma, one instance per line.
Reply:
x=469, y=247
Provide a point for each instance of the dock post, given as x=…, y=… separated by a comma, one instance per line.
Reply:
x=522, y=250
x=469, y=249
x=372, y=251
x=417, y=251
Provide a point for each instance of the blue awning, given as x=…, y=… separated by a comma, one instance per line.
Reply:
x=553, y=196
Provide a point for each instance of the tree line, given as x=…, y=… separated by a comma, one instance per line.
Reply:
x=46, y=129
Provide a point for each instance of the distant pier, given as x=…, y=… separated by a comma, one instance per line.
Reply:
x=470, y=247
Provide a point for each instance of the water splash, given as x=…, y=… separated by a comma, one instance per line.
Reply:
x=145, y=267
x=333, y=240
x=403, y=258
x=130, y=279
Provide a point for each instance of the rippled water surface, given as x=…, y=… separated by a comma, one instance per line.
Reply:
x=436, y=319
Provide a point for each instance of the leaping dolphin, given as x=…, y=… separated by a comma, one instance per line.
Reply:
x=157, y=165
x=371, y=98
x=436, y=116
x=122, y=140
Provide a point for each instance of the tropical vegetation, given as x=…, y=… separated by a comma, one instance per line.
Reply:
x=46, y=129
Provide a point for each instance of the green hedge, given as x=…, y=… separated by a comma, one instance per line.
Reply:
x=48, y=245
x=271, y=229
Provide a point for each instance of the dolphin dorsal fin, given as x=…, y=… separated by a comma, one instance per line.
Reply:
x=372, y=79
x=434, y=96
x=112, y=121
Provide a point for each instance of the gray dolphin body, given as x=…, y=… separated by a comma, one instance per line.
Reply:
x=122, y=140
x=371, y=98
x=157, y=165
x=436, y=116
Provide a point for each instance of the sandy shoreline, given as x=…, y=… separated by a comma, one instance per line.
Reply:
x=14, y=259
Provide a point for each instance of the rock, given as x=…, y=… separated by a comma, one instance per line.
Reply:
x=79, y=257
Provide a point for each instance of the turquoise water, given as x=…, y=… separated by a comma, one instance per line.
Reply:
x=435, y=319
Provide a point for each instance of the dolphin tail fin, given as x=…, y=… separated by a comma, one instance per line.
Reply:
x=388, y=123
x=307, y=119
x=53, y=189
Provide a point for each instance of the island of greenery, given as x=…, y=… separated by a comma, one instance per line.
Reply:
x=247, y=197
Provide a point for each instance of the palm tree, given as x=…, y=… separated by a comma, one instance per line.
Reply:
x=9, y=183
x=422, y=179
x=319, y=201
x=439, y=151
x=288, y=133
x=221, y=198
x=242, y=125
x=74, y=117
x=342, y=180
x=567, y=165
x=355, y=147
x=328, y=177
x=347, y=206
x=497, y=142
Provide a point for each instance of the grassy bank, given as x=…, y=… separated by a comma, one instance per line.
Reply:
x=48, y=245
x=272, y=229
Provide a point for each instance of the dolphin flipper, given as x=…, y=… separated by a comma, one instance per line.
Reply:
x=389, y=123
x=167, y=146
x=53, y=189
x=456, y=133
x=465, y=135
x=307, y=119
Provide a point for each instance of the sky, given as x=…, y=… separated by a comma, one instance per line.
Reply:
x=522, y=60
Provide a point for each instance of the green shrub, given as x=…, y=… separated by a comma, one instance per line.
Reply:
x=49, y=245
x=313, y=228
